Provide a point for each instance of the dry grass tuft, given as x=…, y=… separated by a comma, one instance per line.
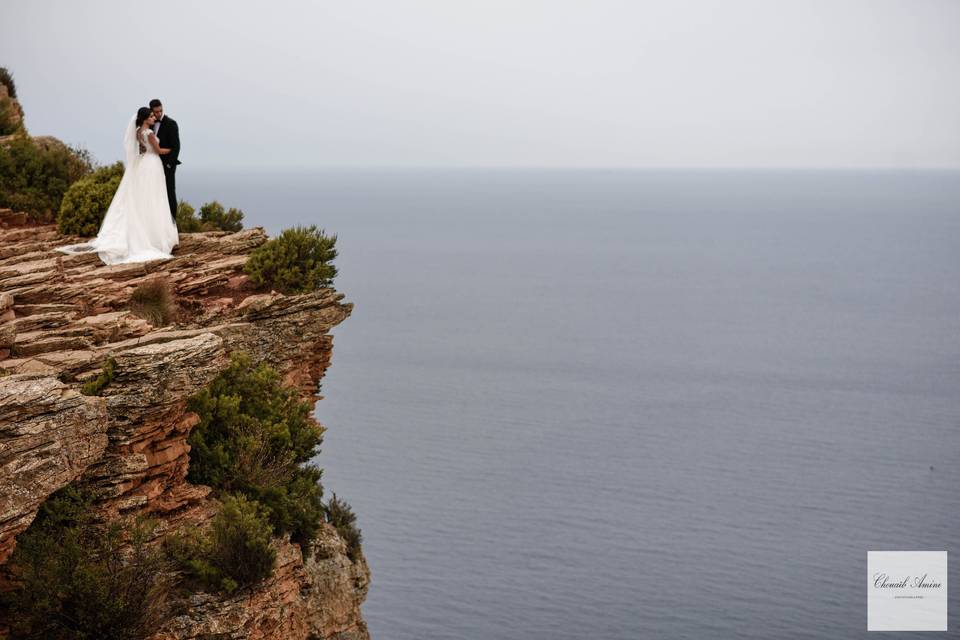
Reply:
x=154, y=301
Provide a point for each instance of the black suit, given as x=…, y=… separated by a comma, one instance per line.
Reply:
x=169, y=138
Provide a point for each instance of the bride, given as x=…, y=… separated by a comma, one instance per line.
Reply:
x=137, y=226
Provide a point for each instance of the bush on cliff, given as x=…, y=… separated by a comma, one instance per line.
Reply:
x=256, y=437
x=80, y=579
x=341, y=516
x=297, y=261
x=9, y=122
x=234, y=553
x=86, y=201
x=10, y=116
x=6, y=79
x=187, y=222
x=35, y=174
x=213, y=217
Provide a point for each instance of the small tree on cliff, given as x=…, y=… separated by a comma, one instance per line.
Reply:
x=213, y=216
x=11, y=115
x=36, y=172
x=235, y=552
x=78, y=578
x=256, y=437
x=299, y=260
x=85, y=203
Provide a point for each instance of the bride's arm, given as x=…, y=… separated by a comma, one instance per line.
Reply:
x=156, y=144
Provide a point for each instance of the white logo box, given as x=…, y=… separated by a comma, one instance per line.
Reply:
x=906, y=591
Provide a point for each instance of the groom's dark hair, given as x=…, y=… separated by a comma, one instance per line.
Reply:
x=155, y=103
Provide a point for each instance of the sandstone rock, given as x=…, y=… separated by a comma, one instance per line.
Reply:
x=316, y=598
x=62, y=317
x=49, y=435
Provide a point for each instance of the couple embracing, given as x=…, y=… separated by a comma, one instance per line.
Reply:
x=140, y=223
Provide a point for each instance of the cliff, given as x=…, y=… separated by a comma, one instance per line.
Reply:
x=62, y=317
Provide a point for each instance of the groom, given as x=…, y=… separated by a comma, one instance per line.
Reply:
x=168, y=135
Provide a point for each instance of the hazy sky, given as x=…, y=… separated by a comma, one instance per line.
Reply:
x=719, y=83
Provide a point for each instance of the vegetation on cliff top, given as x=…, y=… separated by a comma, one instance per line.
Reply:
x=6, y=79
x=85, y=203
x=299, y=260
x=10, y=116
x=213, y=217
x=35, y=174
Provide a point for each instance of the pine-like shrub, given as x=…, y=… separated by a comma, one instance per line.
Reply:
x=341, y=516
x=80, y=579
x=187, y=222
x=213, y=217
x=6, y=79
x=86, y=201
x=35, y=174
x=234, y=553
x=299, y=260
x=11, y=119
x=256, y=437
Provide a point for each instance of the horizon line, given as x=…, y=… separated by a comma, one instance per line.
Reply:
x=507, y=167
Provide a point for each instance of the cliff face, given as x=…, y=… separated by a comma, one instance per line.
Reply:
x=62, y=317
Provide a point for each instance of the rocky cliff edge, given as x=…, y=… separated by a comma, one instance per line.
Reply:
x=62, y=317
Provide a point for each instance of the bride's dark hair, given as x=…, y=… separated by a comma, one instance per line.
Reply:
x=142, y=114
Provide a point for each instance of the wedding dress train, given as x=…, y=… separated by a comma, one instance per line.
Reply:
x=137, y=226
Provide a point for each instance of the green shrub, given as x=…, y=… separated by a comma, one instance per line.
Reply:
x=94, y=387
x=213, y=217
x=187, y=222
x=297, y=261
x=78, y=579
x=234, y=553
x=86, y=201
x=153, y=300
x=35, y=173
x=256, y=437
x=6, y=79
x=11, y=119
x=9, y=123
x=341, y=516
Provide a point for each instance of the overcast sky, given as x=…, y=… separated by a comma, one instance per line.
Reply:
x=592, y=83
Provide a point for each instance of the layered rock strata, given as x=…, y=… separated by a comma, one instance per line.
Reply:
x=63, y=317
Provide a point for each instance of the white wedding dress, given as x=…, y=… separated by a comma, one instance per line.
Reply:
x=137, y=226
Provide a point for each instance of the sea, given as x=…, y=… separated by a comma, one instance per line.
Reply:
x=618, y=404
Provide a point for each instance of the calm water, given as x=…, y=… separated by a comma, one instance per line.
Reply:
x=618, y=405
